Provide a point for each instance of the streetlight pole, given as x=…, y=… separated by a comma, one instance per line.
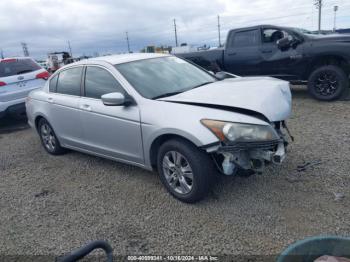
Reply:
x=335, y=17
x=318, y=4
x=219, y=31
x=175, y=32
x=127, y=41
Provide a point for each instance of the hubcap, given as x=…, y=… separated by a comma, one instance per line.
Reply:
x=327, y=83
x=178, y=172
x=48, y=137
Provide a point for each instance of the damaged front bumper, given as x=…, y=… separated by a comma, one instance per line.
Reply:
x=248, y=155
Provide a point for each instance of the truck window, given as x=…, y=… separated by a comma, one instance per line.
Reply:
x=271, y=35
x=245, y=38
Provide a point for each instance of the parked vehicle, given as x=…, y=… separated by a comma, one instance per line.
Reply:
x=162, y=113
x=296, y=55
x=54, y=62
x=18, y=76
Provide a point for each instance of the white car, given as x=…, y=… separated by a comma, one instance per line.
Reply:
x=18, y=76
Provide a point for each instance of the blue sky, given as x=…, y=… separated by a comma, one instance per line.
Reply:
x=100, y=25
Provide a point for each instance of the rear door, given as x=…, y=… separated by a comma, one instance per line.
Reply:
x=242, y=53
x=20, y=76
x=113, y=131
x=64, y=114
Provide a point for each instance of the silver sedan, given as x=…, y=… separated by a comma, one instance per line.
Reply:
x=162, y=113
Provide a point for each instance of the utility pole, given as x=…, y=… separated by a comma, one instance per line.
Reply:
x=70, y=49
x=25, y=49
x=175, y=32
x=335, y=17
x=318, y=4
x=127, y=41
x=219, y=31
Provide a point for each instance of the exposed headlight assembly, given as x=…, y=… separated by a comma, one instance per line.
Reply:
x=239, y=132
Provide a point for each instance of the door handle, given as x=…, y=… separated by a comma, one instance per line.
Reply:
x=50, y=100
x=230, y=54
x=85, y=107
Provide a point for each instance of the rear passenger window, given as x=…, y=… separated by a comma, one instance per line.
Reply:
x=69, y=81
x=245, y=38
x=99, y=81
x=53, y=84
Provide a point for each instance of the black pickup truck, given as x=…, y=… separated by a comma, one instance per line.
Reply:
x=296, y=55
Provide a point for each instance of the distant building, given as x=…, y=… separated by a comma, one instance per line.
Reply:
x=184, y=48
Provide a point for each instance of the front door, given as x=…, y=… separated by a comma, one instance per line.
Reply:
x=113, y=131
x=276, y=62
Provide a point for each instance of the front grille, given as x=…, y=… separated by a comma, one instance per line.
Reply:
x=238, y=146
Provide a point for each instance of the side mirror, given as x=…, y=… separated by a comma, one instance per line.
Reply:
x=113, y=99
x=221, y=75
x=283, y=43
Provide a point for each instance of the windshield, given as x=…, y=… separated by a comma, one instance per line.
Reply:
x=165, y=76
x=10, y=67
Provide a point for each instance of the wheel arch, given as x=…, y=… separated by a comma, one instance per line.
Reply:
x=328, y=59
x=161, y=139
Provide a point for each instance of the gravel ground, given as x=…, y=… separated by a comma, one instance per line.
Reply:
x=50, y=205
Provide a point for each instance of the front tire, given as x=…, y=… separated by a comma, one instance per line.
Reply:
x=186, y=171
x=327, y=83
x=49, y=139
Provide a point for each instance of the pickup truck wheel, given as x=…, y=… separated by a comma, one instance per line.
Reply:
x=185, y=171
x=48, y=138
x=327, y=82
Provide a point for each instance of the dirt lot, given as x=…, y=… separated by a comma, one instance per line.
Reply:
x=51, y=205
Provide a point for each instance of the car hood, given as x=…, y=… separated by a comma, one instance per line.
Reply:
x=331, y=37
x=263, y=95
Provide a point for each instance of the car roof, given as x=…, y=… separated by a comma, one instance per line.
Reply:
x=16, y=57
x=122, y=58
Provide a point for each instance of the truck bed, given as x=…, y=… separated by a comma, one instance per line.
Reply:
x=209, y=59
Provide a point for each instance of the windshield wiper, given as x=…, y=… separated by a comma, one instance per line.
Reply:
x=203, y=84
x=167, y=94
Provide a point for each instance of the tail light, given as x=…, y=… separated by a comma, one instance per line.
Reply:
x=44, y=75
x=2, y=83
x=8, y=60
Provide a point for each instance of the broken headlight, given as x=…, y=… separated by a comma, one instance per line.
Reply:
x=239, y=132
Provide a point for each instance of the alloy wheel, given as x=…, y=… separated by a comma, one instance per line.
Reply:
x=48, y=137
x=178, y=172
x=327, y=83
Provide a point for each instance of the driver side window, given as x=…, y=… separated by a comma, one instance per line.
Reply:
x=99, y=81
x=271, y=35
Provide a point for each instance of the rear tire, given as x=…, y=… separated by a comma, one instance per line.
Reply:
x=49, y=139
x=327, y=82
x=186, y=171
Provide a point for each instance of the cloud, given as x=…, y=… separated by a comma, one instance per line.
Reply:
x=100, y=25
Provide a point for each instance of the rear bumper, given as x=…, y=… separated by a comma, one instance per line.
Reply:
x=14, y=107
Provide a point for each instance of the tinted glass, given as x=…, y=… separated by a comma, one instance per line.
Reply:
x=53, y=84
x=12, y=67
x=246, y=38
x=166, y=75
x=69, y=81
x=98, y=82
